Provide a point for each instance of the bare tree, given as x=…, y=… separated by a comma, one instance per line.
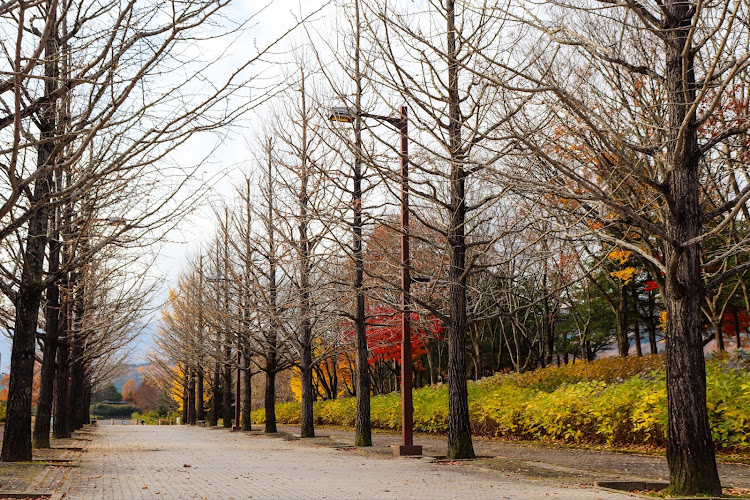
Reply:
x=265, y=287
x=303, y=161
x=634, y=85
x=423, y=58
x=355, y=184
x=88, y=97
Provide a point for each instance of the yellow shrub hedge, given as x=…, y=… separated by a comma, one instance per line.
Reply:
x=612, y=401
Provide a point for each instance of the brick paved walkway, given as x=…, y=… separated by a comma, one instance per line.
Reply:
x=535, y=461
x=49, y=471
x=178, y=462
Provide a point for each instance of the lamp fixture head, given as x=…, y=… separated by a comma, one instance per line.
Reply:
x=342, y=114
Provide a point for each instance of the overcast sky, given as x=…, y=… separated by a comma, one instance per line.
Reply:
x=231, y=161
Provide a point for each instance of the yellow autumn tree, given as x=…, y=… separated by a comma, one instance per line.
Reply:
x=332, y=376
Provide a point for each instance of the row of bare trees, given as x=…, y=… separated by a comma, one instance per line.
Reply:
x=601, y=144
x=561, y=154
x=97, y=96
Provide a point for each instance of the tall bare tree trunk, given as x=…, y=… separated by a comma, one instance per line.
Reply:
x=690, y=448
x=307, y=425
x=247, y=319
x=191, y=398
x=51, y=332
x=17, y=433
x=269, y=400
x=431, y=361
x=60, y=428
x=185, y=399
x=475, y=336
x=227, y=338
x=75, y=390
x=214, y=417
x=623, y=343
x=363, y=430
x=62, y=374
x=738, y=340
x=199, y=411
x=247, y=394
x=459, y=429
x=636, y=323
x=85, y=407
x=227, y=384
x=718, y=334
x=548, y=323
x=200, y=414
x=307, y=428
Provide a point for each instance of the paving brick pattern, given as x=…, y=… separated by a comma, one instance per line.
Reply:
x=566, y=464
x=178, y=462
x=47, y=473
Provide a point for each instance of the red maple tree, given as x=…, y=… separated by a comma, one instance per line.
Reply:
x=731, y=324
x=384, y=333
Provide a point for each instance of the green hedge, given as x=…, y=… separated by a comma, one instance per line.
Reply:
x=101, y=410
x=153, y=417
x=590, y=404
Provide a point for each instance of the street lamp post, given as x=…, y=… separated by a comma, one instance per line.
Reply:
x=347, y=115
x=237, y=390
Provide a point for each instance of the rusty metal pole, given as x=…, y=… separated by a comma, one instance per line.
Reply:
x=237, y=390
x=407, y=446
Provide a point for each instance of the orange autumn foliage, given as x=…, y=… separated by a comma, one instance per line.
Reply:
x=5, y=381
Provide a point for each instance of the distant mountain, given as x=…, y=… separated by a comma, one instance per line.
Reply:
x=145, y=340
x=144, y=344
x=131, y=371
